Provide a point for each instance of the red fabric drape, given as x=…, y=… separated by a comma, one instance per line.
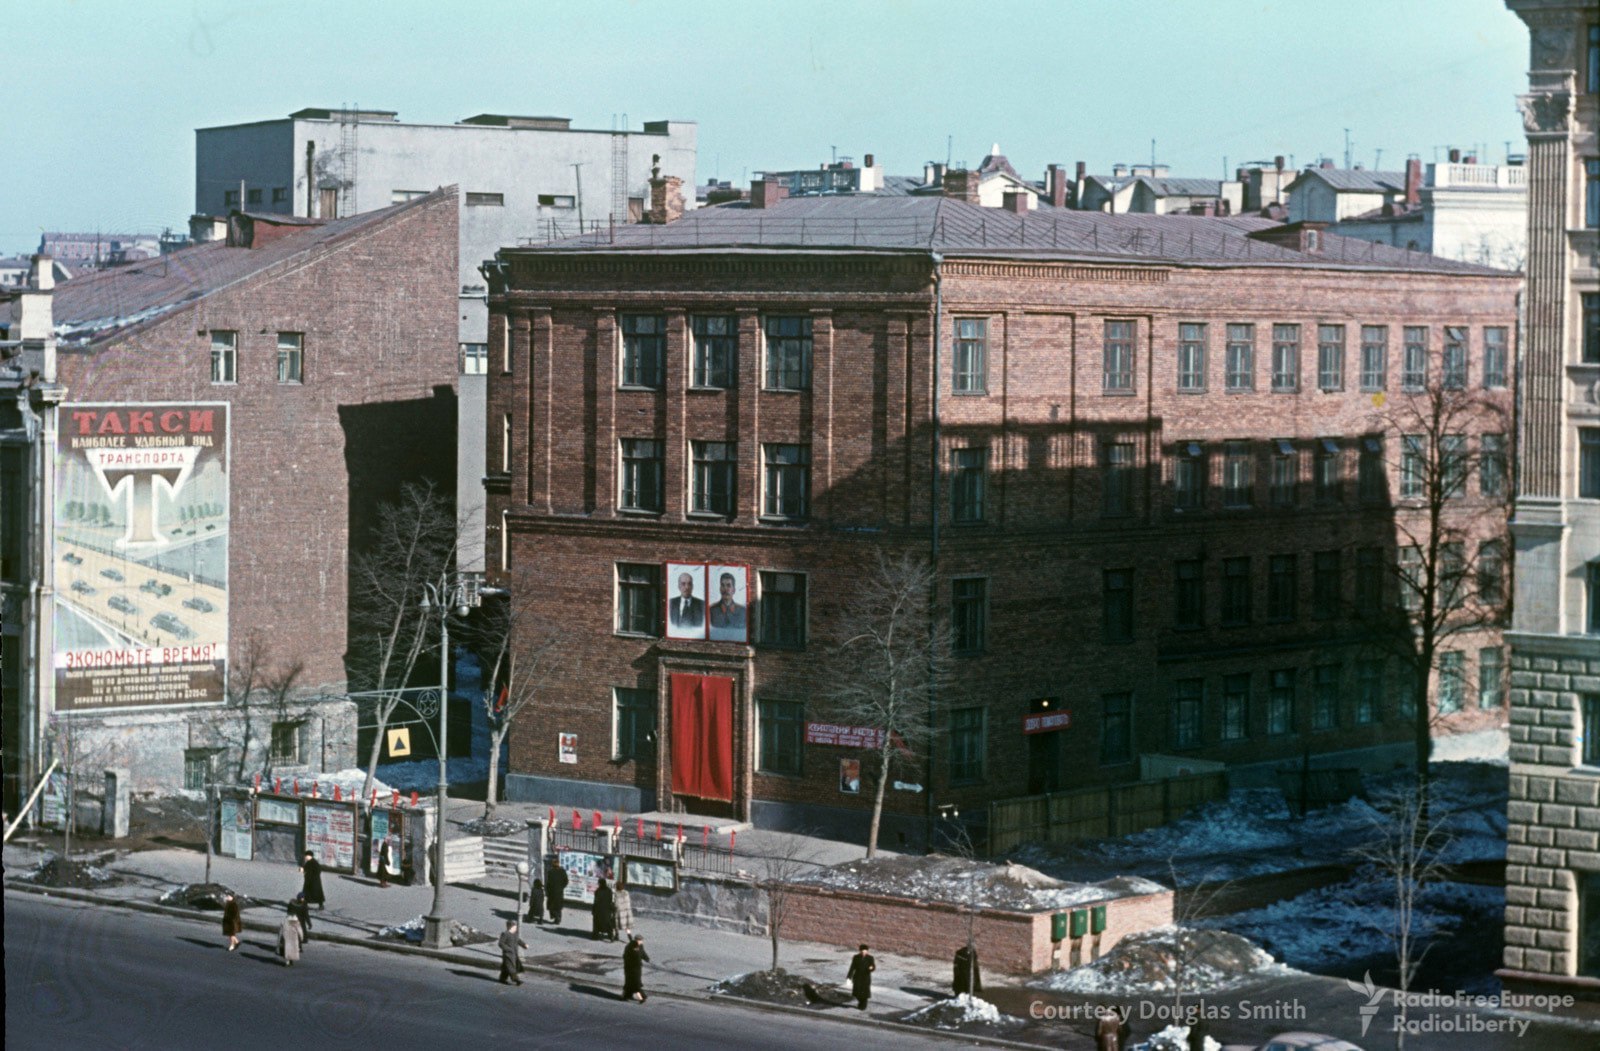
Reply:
x=702, y=736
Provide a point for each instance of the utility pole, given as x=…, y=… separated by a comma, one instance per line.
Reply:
x=577, y=175
x=211, y=811
x=1347, y=147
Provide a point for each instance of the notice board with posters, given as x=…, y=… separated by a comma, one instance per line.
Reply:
x=141, y=521
x=584, y=873
x=331, y=834
x=237, y=829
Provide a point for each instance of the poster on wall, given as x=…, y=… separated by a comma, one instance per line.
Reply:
x=850, y=776
x=331, y=835
x=141, y=555
x=235, y=825
x=728, y=615
x=647, y=872
x=567, y=747
x=686, y=600
x=584, y=873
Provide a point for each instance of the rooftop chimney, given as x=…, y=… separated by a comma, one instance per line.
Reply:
x=1119, y=170
x=1055, y=181
x=666, y=200
x=962, y=185
x=1016, y=202
x=866, y=160
x=1327, y=163
x=1413, y=181
x=1455, y=156
x=766, y=193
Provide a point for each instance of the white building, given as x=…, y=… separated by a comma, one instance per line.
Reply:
x=522, y=179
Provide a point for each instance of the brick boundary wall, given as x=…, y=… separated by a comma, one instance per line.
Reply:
x=1013, y=942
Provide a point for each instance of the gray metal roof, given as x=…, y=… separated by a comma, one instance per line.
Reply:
x=1164, y=187
x=1358, y=180
x=878, y=222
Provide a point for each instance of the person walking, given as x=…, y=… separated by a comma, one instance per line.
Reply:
x=511, y=946
x=232, y=921
x=311, y=875
x=966, y=978
x=605, y=922
x=860, y=976
x=633, y=960
x=622, y=913
x=302, y=911
x=536, y=903
x=555, y=890
x=290, y=938
x=385, y=862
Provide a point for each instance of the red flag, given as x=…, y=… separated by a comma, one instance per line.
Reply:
x=733, y=835
x=372, y=804
x=577, y=819
x=616, y=823
x=277, y=786
x=500, y=701
x=313, y=790
x=336, y=791
x=413, y=798
x=297, y=786
x=680, y=832
x=598, y=820
x=705, y=836
x=394, y=800
x=258, y=782
x=552, y=817
x=658, y=832
x=641, y=827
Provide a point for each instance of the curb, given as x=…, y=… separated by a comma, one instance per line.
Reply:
x=879, y=1023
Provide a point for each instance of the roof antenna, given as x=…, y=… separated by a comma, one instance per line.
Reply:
x=948, y=149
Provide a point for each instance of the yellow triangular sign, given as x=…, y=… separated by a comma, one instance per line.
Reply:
x=399, y=743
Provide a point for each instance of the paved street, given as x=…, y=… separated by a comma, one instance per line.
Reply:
x=79, y=976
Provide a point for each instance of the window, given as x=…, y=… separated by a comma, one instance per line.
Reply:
x=1588, y=459
x=1491, y=572
x=1372, y=480
x=1412, y=581
x=1414, y=358
x=713, y=488
x=505, y=442
x=1282, y=587
x=1591, y=729
x=224, y=357
x=1240, y=363
x=1327, y=584
x=1325, y=697
x=782, y=734
x=1491, y=677
x=1191, y=357
x=1117, y=605
x=1188, y=697
x=1494, y=357
x=1454, y=370
x=783, y=609
x=1492, y=466
x=1188, y=594
x=1118, y=368
x=966, y=745
x=1116, y=473
x=1369, y=691
x=635, y=719
x=1280, y=702
x=971, y=356
x=968, y=614
x=1369, y=581
x=644, y=344
x=716, y=342
x=1374, y=357
x=641, y=475
x=1453, y=464
x=1330, y=357
x=638, y=599
x=1413, y=460
x=1236, y=706
x=966, y=485
x=253, y=196
x=1452, y=575
x=291, y=357
x=485, y=200
x=1116, y=728
x=788, y=353
x=230, y=198
x=787, y=493
x=199, y=768
x=286, y=742
x=1591, y=332
x=1591, y=193
x=1189, y=477
x=1235, y=592
x=1592, y=573
x=557, y=200
x=1238, y=475
x=1283, y=481
x=280, y=194
x=474, y=359
x=1592, y=67
x=1326, y=477
x=1285, y=357
x=1450, y=681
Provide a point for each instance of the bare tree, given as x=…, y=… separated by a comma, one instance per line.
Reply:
x=412, y=544
x=279, y=698
x=1403, y=850
x=520, y=648
x=783, y=860
x=894, y=656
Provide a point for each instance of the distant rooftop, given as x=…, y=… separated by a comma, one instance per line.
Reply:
x=1358, y=180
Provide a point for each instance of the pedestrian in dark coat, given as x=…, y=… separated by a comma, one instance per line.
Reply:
x=385, y=863
x=302, y=912
x=1108, y=1031
x=290, y=939
x=311, y=872
x=232, y=921
x=860, y=976
x=511, y=946
x=536, y=903
x=633, y=960
x=1198, y=1032
x=555, y=889
x=966, y=971
x=605, y=919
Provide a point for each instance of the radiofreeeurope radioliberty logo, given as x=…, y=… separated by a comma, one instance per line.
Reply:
x=1374, y=995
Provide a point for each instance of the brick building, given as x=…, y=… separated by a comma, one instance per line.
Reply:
x=229, y=417
x=1552, y=927
x=1149, y=456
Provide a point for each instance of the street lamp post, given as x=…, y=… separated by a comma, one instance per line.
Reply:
x=522, y=878
x=436, y=925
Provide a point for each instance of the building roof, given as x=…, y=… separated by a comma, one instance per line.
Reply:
x=1164, y=187
x=1357, y=180
x=884, y=223
x=106, y=303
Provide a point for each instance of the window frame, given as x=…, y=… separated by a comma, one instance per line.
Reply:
x=1239, y=358
x=787, y=356
x=1116, y=718
x=630, y=741
x=1117, y=599
x=1188, y=594
x=779, y=479
x=775, y=613
x=1283, y=474
x=1491, y=678
x=1414, y=357
x=1327, y=583
x=1589, y=352
x=1118, y=460
x=643, y=363
x=969, y=616
x=1588, y=463
x=1234, y=609
x=711, y=476
x=1285, y=358
x=1454, y=357
x=1187, y=700
x=1236, y=706
x=968, y=744
x=641, y=473
x=1191, y=357
x=1374, y=358
x=291, y=354
x=1189, y=470
x=1325, y=695
x=1281, y=689
x=1496, y=356
x=1118, y=356
x=968, y=485
x=780, y=737
x=291, y=731
x=1369, y=691
x=969, y=356
x=224, y=357
x=1452, y=681
x=1283, y=588
x=1330, y=357
x=638, y=601
x=1327, y=472
x=1238, y=474
x=716, y=354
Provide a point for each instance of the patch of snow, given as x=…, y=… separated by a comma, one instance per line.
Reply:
x=1174, y=1038
x=959, y=1011
x=1164, y=959
x=981, y=884
x=1481, y=746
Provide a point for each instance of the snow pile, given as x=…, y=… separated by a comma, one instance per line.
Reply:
x=958, y=1011
x=350, y=780
x=777, y=987
x=1163, y=960
x=411, y=931
x=54, y=871
x=202, y=896
x=493, y=826
x=1176, y=1038
x=962, y=881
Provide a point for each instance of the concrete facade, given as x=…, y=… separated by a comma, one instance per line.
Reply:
x=1477, y=213
x=1552, y=924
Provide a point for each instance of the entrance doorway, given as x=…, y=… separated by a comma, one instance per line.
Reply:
x=701, y=736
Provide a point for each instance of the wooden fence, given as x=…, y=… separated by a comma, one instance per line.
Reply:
x=1096, y=813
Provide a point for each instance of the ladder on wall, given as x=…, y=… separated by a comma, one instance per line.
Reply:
x=619, y=177
x=349, y=122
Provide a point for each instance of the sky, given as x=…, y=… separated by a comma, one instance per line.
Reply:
x=103, y=96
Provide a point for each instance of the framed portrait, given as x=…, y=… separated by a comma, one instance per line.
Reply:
x=850, y=776
x=686, y=600
x=728, y=611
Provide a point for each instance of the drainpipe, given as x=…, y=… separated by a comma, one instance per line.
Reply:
x=933, y=542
